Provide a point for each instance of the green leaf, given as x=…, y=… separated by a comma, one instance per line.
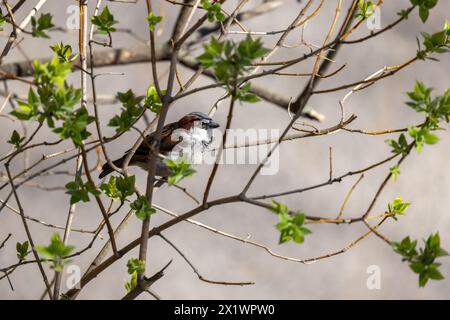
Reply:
x=15, y=139
x=438, y=42
x=244, y=94
x=56, y=252
x=400, y=146
x=104, y=21
x=395, y=171
x=417, y=267
x=64, y=52
x=41, y=25
x=434, y=273
x=366, y=9
x=129, y=286
x=406, y=248
x=230, y=61
x=54, y=100
x=250, y=50
x=422, y=135
x=214, y=11
x=131, y=111
x=424, y=7
x=441, y=252
x=22, y=250
x=152, y=100
x=433, y=241
x=180, y=169
x=28, y=110
x=290, y=226
x=135, y=265
x=424, y=13
x=79, y=191
x=2, y=21
x=153, y=20
x=430, y=138
x=436, y=109
x=422, y=261
x=51, y=76
x=75, y=126
x=119, y=188
x=142, y=208
x=24, y=112
x=280, y=208
x=423, y=279
x=398, y=207
x=420, y=96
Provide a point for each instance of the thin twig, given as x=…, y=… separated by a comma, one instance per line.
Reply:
x=202, y=278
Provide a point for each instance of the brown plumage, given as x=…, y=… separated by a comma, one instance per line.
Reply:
x=143, y=154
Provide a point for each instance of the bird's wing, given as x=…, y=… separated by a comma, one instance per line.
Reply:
x=166, y=146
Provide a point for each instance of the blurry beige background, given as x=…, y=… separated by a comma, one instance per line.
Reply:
x=424, y=179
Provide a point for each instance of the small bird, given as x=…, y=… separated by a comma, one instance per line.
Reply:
x=197, y=122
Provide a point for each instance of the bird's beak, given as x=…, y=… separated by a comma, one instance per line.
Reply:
x=212, y=124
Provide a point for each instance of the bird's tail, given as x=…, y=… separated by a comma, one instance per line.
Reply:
x=106, y=168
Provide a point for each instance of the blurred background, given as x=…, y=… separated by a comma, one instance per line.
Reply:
x=424, y=180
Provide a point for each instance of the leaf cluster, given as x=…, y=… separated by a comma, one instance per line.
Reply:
x=290, y=226
x=438, y=42
x=230, y=61
x=104, y=21
x=435, y=109
x=180, y=169
x=398, y=207
x=133, y=107
x=119, y=188
x=56, y=252
x=366, y=9
x=79, y=190
x=153, y=21
x=55, y=99
x=423, y=260
x=213, y=10
x=141, y=208
x=22, y=250
x=424, y=7
x=41, y=25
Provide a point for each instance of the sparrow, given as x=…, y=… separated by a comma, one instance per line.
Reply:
x=194, y=128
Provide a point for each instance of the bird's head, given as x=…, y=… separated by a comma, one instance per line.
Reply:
x=199, y=119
